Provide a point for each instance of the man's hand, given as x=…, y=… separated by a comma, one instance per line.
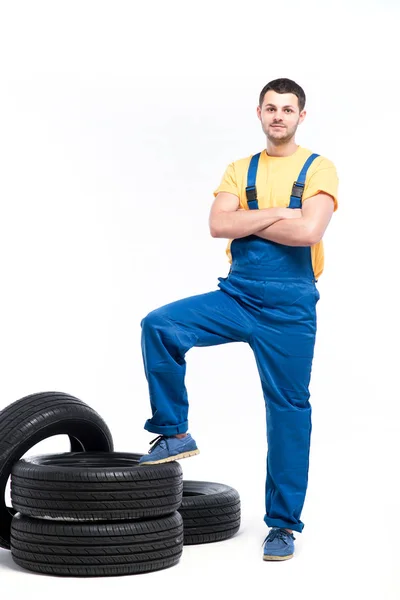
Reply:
x=224, y=223
x=315, y=214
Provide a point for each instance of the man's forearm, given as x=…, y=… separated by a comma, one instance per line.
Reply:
x=290, y=232
x=240, y=223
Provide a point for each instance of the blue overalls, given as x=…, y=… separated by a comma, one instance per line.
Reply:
x=268, y=300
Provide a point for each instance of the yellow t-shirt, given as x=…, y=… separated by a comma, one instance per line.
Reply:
x=275, y=178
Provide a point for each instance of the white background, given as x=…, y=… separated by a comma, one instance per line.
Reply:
x=117, y=121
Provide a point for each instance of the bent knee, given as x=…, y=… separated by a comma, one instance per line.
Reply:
x=153, y=319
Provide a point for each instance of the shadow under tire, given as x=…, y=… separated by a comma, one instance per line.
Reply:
x=96, y=549
x=210, y=512
x=36, y=417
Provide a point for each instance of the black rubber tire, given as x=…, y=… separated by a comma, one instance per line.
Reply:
x=95, y=486
x=96, y=549
x=210, y=512
x=28, y=421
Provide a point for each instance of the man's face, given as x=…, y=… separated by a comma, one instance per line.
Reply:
x=280, y=116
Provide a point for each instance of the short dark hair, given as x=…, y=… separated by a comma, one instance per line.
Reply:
x=285, y=86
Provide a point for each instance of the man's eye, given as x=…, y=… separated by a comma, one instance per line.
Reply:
x=286, y=109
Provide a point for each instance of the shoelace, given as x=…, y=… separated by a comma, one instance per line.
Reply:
x=157, y=440
x=278, y=533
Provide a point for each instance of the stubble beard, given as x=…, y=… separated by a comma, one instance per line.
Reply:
x=280, y=141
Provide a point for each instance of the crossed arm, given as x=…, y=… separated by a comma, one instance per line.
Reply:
x=292, y=227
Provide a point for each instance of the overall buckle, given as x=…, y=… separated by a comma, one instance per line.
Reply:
x=251, y=193
x=298, y=189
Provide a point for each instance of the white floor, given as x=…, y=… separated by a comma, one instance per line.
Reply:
x=349, y=548
x=326, y=566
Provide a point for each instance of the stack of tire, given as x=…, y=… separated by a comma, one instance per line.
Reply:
x=93, y=511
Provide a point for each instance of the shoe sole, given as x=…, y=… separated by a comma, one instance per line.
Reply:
x=171, y=458
x=270, y=557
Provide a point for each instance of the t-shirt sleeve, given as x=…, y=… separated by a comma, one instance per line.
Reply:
x=228, y=182
x=325, y=179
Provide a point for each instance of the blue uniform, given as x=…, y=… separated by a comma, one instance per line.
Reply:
x=268, y=300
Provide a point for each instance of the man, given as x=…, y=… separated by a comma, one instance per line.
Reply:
x=274, y=208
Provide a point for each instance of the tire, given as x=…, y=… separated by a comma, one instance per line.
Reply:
x=34, y=418
x=94, y=486
x=210, y=512
x=96, y=549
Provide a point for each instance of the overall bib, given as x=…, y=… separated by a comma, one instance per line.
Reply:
x=268, y=300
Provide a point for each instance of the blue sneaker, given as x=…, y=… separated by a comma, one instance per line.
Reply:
x=278, y=545
x=169, y=448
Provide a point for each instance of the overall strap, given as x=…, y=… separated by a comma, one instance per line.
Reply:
x=251, y=192
x=298, y=186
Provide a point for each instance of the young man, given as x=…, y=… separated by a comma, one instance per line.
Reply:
x=274, y=208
